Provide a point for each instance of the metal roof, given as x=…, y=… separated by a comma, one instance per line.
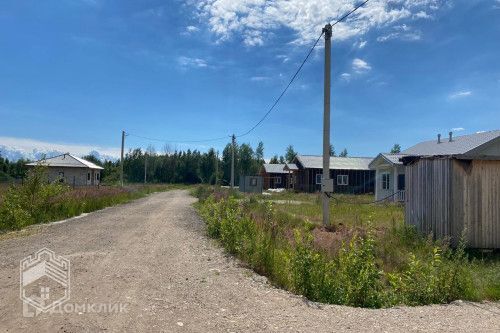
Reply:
x=274, y=168
x=66, y=160
x=338, y=163
x=460, y=145
x=292, y=166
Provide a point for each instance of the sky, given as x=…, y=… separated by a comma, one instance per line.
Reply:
x=75, y=73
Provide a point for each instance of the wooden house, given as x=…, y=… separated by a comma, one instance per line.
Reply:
x=350, y=174
x=70, y=169
x=453, y=186
x=278, y=175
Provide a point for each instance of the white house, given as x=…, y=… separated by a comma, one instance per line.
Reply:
x=389, y=177
x=71, y=169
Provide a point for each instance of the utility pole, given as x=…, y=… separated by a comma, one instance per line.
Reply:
x=121, y=158
x=233, y=142
x=327, y=183
x=145, y=167
x=216, y=168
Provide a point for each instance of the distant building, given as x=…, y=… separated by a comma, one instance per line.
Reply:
x=250, y=184
x=71, y=169
x=278, y=175
x=350, y=174
x=452, y=185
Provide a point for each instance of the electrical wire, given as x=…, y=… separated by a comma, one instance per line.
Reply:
x=299, y=69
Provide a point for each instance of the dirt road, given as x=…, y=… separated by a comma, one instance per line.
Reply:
x=152, y=257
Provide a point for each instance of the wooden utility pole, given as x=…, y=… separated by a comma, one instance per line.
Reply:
x=145, y=167
x=233, y=143
x=326, y=183
x=216, y=168
x=121, y=158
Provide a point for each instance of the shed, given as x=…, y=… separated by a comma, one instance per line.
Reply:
x=71, y=169
x=250, y=184
x=453, y=185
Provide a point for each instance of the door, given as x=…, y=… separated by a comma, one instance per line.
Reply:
x=401, y=182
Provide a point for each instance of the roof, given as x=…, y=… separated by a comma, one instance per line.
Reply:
x=338, y=163
x=274, y=168
x=465, y=145
x=291, y=167
x=66, y=160
x=389, y=158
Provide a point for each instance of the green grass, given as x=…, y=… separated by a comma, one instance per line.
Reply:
x=38, y=202
x=367, y=257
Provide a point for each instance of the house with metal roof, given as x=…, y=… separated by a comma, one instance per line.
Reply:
x=278, y=175
x=453, y=187
x=350, y=174
x=71, y=169
x=389, y=177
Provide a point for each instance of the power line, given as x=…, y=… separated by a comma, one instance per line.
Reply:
x=178, y=141
x=299, y=69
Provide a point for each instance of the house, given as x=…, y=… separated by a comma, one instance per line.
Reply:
x=389, y=177
x=350, y=174
x=453, y=185
x=71, y=169
x=274, y=175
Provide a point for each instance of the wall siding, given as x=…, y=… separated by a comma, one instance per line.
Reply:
x=444, y=196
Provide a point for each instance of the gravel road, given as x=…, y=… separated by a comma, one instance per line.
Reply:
x=152, y=256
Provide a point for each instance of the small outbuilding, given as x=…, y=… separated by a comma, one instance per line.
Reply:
x=70, y=169
x=389, y=177
x=274, y=175
x=453, y=186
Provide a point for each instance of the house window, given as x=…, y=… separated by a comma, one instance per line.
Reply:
x=61, y=177
x=97, y=175
x=319, y=176
x=342, y=180
x=386, y=181
x=88, y=176
x=278, y=180
x=253, y=181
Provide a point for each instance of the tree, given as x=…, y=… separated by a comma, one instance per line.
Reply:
x=282, y=160
x=259, y=152
x=396, y=149
x=274, y=160
x=332, y=150
x=247, y=166
x=290, y=154
x=343, y=153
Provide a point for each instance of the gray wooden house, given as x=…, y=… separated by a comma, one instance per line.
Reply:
x=71, y=169
x=452, y=185
x=350, y=174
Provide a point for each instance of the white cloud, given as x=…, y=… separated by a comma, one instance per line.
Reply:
x=345, y=76
x=422, y=15
x=29, y=147
x=259, y=78
x=460, y=94
x=362, y=44
x=187, y=62
x=403, y=32
x=360, y=66
x=192, y=28
x=283, y=57
x=253, y=19
x=458, y=129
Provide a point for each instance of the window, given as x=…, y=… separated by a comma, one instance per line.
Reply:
x=319, y=176
x=61, y=177
x=88, y=176
x=253, y=181
x=342, y=180
x=278, y=180
x=97, y=176
x=386, y=181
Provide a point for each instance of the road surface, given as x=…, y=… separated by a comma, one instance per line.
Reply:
x=152, y=258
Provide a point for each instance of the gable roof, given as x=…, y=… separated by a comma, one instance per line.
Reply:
x=274, y=168
x=291, y=167
x=392, y=159
x=337, y=163
x=66, y=160
x=460, y=146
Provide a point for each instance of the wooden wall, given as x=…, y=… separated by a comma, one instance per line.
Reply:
x=445, y=195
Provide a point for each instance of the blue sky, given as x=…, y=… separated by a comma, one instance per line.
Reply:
x=74, y=73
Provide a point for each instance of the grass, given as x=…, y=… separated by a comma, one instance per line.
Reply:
x=38, y=202
x=366, y=257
